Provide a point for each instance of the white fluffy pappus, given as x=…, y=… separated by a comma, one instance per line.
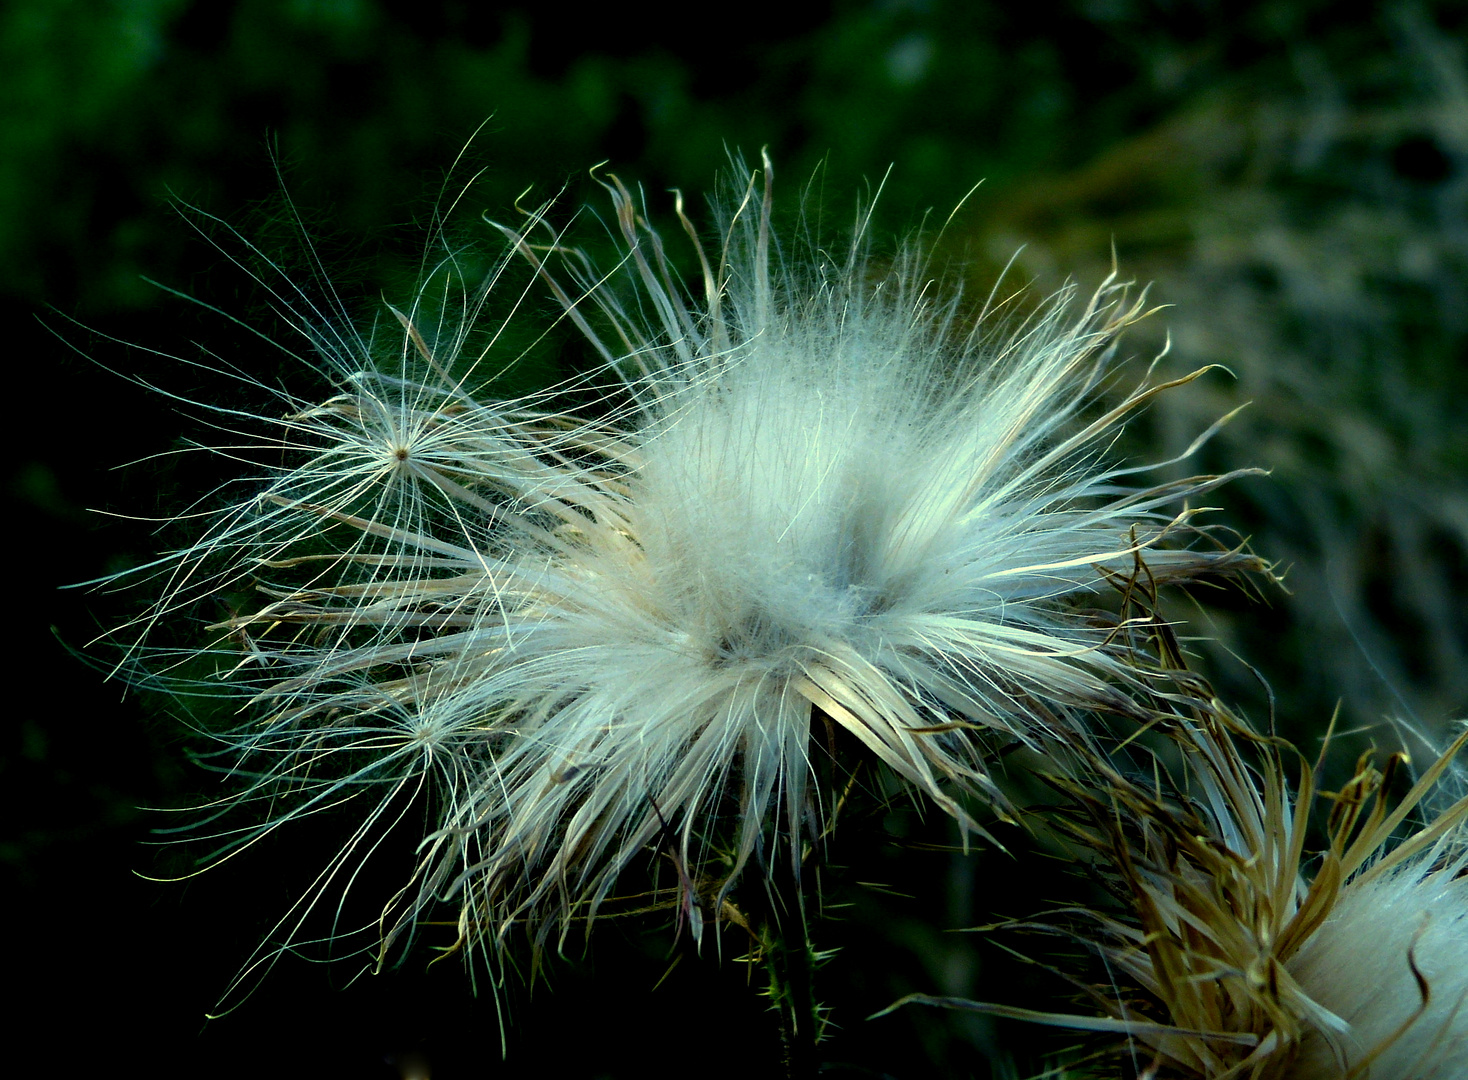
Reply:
x=1391, y=963
x=814, y=499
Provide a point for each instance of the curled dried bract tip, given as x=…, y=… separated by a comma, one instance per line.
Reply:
x=808, y=498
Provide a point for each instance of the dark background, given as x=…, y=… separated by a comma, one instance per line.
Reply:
x=1292, y=176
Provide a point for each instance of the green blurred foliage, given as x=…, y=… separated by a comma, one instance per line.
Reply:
x=1293, y=175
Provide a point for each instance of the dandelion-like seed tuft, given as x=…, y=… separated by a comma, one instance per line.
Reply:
x=807, y=502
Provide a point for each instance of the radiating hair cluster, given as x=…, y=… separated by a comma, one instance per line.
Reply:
x=809, y=502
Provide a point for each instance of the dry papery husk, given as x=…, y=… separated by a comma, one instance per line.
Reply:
x=1233, y=952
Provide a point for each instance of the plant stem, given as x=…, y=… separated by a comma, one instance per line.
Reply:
x=788, y=961
x=787, y=958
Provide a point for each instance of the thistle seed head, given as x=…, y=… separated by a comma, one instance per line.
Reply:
x=1244, y=954
x=809, y=498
